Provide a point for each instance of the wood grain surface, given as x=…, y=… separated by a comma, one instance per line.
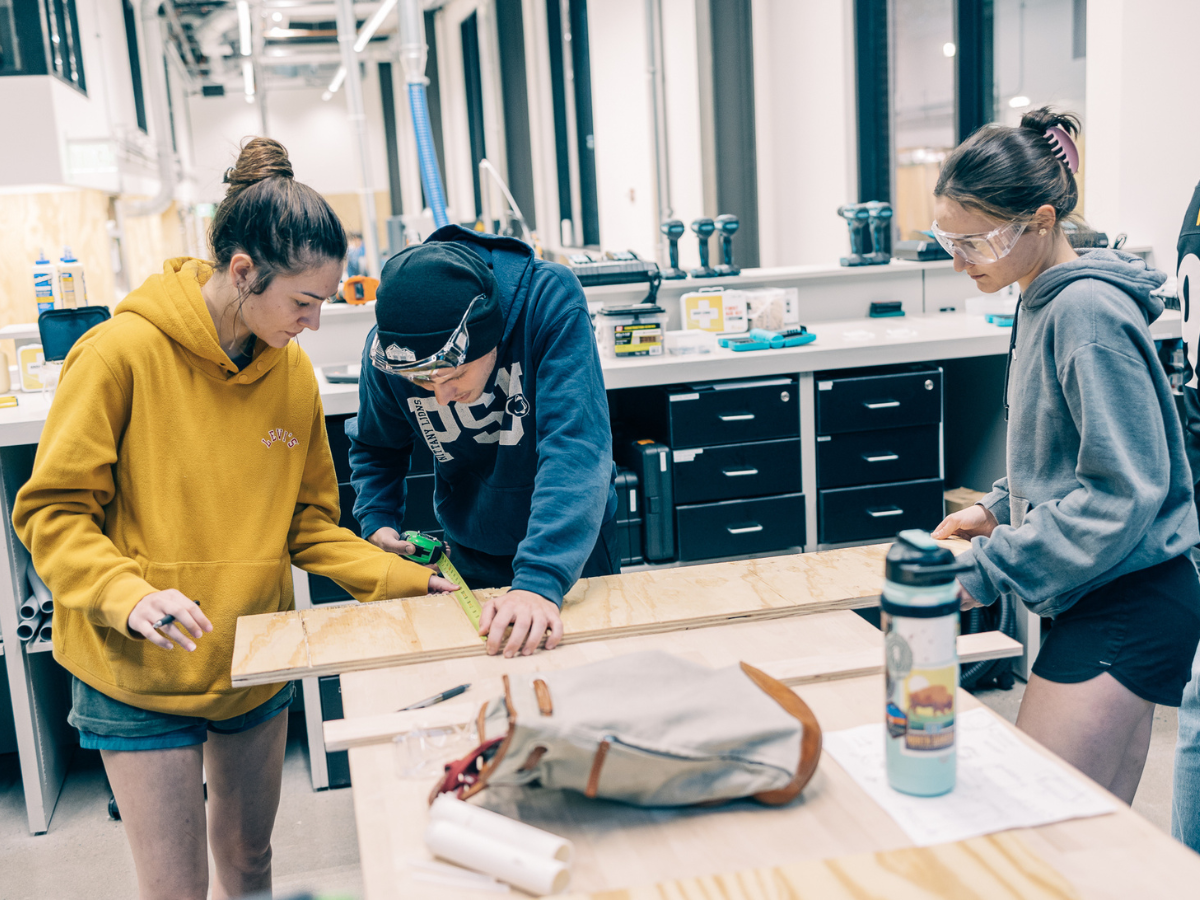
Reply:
x=619, y=848
x=795, y=651
x=996, y=867
x=271, y=648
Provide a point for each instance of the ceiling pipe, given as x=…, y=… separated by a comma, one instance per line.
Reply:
x=160, y=116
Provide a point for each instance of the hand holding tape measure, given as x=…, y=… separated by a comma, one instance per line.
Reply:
x=529, y=614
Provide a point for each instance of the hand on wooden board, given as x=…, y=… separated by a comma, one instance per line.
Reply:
x=389, y=539
x=530, y=615
x=968, y=523
x=155, y=607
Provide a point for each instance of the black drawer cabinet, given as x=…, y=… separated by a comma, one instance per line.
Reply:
x=874, y=457
x=736, y=471
x=707, y=415
x=735, y=527
x=883, y=397
x=879, y=511
x=337, y=763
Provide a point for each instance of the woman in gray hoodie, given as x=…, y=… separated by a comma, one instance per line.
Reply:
x=1092, y=523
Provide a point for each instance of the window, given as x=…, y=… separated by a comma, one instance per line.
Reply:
x=575, y=155
x=135, y=64
x=923, y=106
x=950, y=66
x=10, y=53
x=61, y=25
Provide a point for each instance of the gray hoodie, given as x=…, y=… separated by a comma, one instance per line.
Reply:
x=1098, y=481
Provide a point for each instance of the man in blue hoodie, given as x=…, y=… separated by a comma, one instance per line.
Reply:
x=487, y=355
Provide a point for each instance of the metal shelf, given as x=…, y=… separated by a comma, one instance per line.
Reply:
x=38, y=646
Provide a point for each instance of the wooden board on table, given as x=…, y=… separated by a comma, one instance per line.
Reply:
x=282, y=646
x=796, y=651
x=1112, y=857
x=995, y=867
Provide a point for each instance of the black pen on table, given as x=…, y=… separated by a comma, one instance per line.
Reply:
x=166, y=620
x=436, y=698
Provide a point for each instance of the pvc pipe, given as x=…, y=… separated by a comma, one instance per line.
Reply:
x=30, y=608
x=347, y=29
x=27, y=629
x=40, y=591
x=44, y=633
x=656, y=78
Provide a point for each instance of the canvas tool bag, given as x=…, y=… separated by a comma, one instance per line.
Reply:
x=649, y=729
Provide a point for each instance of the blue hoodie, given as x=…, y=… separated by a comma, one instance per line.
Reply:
x=1098, y=482
x=527, y=470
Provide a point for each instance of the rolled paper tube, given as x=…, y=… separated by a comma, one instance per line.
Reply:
x=534, y=841
x=44, y=631
x=27, y=629
x=30, y=608
x=534, y=874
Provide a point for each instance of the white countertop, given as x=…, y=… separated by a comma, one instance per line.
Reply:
x=840, y=344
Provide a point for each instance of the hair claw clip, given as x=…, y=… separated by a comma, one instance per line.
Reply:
x=1063, y=147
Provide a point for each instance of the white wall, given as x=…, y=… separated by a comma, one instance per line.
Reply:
x=805, y=121
x=315, y=132
x=1143, y=136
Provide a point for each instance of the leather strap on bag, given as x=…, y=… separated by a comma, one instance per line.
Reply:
x=810, y=745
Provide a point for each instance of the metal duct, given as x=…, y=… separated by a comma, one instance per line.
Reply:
x=156, y=75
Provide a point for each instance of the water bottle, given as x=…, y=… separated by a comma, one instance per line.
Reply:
x=920, y=627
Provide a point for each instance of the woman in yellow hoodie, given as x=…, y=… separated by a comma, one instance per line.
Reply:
x=183, y=470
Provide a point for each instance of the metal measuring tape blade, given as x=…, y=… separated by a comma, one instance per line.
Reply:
x=466, y=599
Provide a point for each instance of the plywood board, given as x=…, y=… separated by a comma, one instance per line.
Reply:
x=397, y=632
x=806, y=643
x=996, y=867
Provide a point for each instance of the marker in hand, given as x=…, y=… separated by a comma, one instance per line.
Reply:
x=166, y=620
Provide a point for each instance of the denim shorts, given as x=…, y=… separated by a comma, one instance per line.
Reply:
x=107, y=724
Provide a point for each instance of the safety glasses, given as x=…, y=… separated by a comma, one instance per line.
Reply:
x=984, y=248
x=396, y=360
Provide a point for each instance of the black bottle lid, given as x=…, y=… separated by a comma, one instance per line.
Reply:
x=916, y=559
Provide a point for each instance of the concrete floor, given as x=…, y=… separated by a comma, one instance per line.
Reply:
x=85, y=854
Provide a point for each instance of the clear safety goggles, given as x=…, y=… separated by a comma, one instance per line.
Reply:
x=397, y=360
x=984, y=248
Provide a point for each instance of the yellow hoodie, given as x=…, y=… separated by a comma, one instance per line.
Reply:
x=162, y=466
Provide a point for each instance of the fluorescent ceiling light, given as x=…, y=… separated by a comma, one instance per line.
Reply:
x=338, y=77
x=278, y=17
x=368, y=32
x=248, y=78
x=243, y=11
x=948, y=49
x=1018, y=101
x=328, y=95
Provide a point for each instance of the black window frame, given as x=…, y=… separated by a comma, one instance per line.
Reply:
x=132, y=45
x=64, y=56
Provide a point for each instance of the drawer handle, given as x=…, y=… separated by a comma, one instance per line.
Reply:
x=737, y=417
x=882, y=457
x=745, y=529
x=737, y=473
x=886, y=511
x=882, y=404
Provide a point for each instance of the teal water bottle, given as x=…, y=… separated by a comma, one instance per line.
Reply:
x=920, y=628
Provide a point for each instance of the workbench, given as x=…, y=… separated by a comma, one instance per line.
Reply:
x=833, y=302
x=743, y=850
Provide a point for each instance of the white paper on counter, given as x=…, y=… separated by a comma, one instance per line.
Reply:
x=1002, y=783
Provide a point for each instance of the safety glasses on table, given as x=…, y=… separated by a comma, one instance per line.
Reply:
x=396, y=360
x=983, y=248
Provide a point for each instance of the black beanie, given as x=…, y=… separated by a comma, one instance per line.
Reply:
x=424, y=292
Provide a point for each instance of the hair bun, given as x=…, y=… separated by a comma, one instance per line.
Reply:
x=261, y=158
x=1041, y=119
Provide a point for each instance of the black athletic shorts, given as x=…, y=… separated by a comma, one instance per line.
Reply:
x=1142, y=629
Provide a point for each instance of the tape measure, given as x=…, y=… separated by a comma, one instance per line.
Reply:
x=429, y=550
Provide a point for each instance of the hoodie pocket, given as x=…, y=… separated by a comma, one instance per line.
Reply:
x=1018, y=509
x=224, y=590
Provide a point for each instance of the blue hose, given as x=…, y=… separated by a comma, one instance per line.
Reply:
x=431, y=178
